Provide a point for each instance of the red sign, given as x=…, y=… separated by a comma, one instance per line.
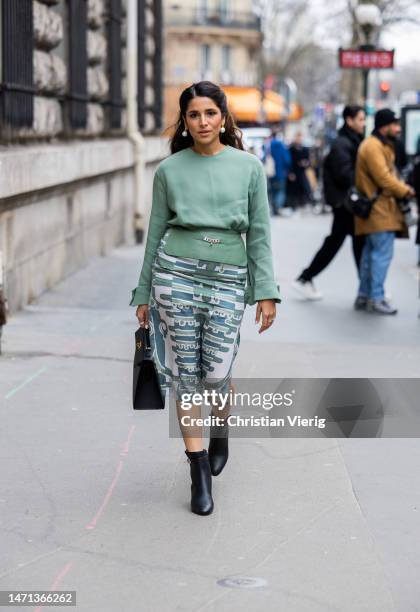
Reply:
x=269, y=81
x=355, y=58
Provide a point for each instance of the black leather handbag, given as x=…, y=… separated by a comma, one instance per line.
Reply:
x=358, y=204
x=146, y=389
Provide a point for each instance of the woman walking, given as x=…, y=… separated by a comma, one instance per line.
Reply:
x=299, y=191
x=197, y=276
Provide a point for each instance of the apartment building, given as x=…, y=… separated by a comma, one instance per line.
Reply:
x=216, y=40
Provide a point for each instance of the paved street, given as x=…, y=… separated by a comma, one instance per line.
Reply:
x=95, y=497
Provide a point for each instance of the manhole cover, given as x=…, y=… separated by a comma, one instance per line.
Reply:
x=242, y=582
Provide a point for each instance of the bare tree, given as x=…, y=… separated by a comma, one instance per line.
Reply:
x=294, y=35
x=399, y=11
x=290, y=48
x=287, y=28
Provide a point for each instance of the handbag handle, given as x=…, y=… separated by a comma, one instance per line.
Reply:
x=143, y=339
x=147, y=339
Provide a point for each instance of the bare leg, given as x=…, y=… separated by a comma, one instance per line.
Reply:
x=224, y=413
x=192, y=434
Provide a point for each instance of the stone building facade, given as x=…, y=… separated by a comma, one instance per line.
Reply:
x=80, y=134
x=216, y=40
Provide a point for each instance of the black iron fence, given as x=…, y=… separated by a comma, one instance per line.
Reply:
x=155, y=57
x=77, y=97
x=17, y=83
x=115, y=63
x=17, y=88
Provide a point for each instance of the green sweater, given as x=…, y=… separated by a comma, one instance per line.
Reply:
x=223, y=191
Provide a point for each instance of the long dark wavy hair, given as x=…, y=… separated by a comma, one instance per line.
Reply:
x=232, y=135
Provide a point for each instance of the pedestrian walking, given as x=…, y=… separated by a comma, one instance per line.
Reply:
x=376, y=177
x=401, y=157
x=316, y=159
x=198, y=273
x=298, y=188
x=338, y=177
x=281, y=157
x=415, y=181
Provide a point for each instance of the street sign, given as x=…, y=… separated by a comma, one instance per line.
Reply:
x=357, y=58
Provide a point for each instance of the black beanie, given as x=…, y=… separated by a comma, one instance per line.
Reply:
x=385, y=116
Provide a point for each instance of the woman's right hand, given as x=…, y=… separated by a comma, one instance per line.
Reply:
x=142, y=314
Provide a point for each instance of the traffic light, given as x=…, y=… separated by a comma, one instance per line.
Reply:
x=385, y=88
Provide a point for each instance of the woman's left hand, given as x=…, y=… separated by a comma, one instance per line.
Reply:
x=266, y=309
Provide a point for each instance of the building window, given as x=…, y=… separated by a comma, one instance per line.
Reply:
x=226, y=64
x=226, y=55
x=225, y=10
x=205, y=62
x=202, y=10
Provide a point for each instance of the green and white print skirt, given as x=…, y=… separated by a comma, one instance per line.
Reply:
x=196, y=310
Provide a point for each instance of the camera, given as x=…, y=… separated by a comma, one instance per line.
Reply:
x=405, y=207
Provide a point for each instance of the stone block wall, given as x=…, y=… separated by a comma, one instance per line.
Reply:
x=96, y=73
x=50, y=70
x=50, y=65
x=60, y=206
x=67, y=195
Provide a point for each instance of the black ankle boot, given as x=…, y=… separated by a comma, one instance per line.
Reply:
x=201, y=499
x=218, y=447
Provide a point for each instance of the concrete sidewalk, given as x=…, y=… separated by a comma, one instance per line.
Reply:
x=96, y=497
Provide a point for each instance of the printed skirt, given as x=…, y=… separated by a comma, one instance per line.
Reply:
x=196, y=310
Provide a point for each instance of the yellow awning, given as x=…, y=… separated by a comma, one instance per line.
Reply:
x=296, y=112
x=245, y=103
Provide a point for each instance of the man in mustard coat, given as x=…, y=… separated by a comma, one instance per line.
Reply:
x=376, y=173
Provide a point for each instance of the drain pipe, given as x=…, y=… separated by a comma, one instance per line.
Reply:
x=137, y=139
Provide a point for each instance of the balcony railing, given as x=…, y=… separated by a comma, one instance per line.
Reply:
x=176, y=15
